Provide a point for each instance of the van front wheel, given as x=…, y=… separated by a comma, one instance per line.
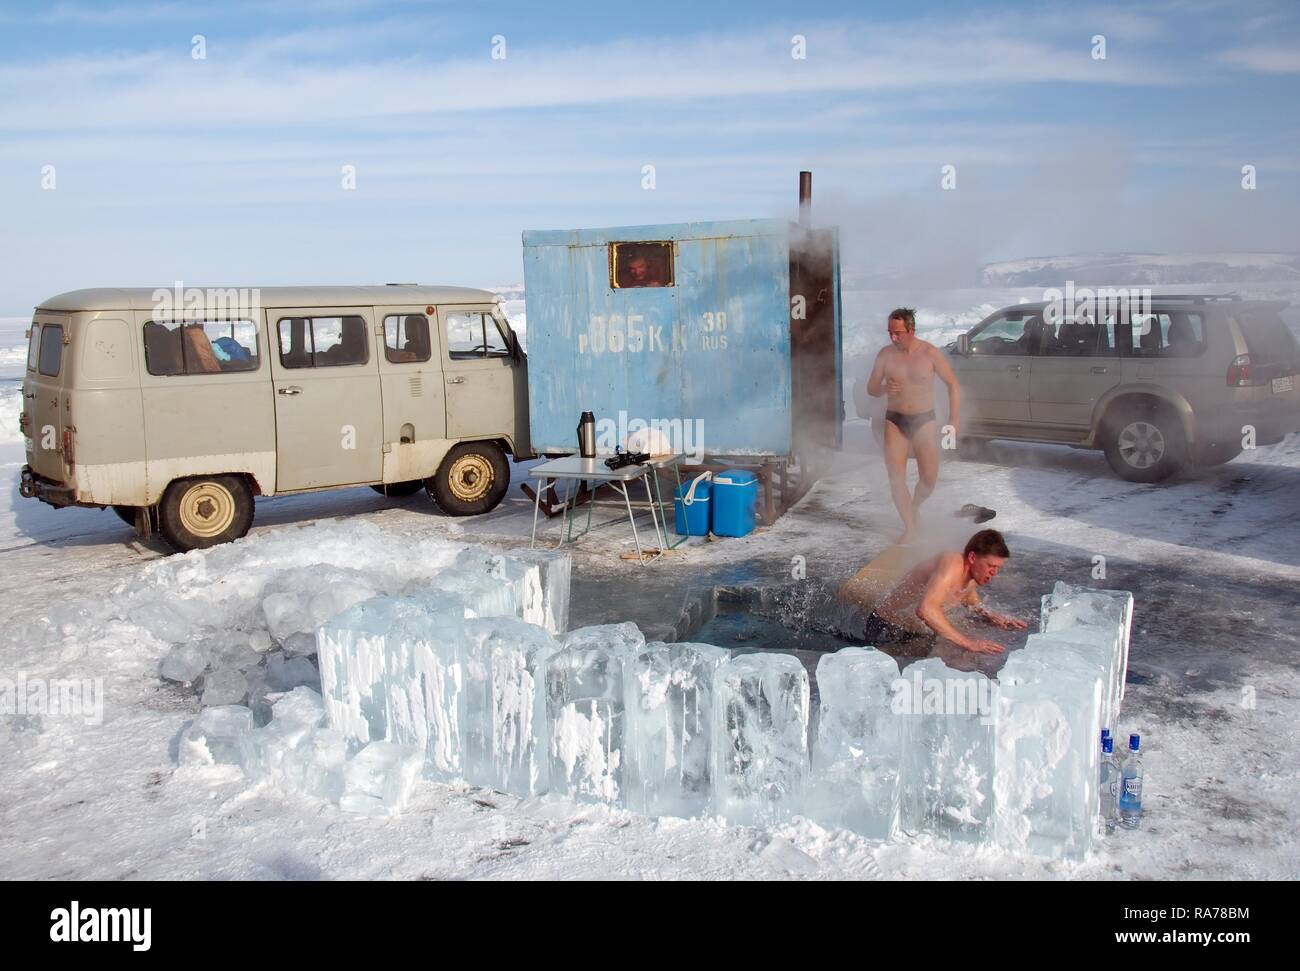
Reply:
x=206, y=511
x=472, y=479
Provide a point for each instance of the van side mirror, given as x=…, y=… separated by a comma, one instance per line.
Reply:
x=963, y=344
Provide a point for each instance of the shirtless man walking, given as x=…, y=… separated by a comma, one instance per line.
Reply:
x=936, y=585
x=905, y=372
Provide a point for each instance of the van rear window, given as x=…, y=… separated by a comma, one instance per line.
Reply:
x=33, y=346
x=51, y=350
x=200, y=347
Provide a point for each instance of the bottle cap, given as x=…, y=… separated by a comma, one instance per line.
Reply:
x=1134, y=741
x=1105, y=733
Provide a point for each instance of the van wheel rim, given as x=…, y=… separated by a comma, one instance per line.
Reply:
x=207, y=509
x=471, y=478
x=1141, y=444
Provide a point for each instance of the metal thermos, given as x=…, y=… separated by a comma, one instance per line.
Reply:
x=587, y=435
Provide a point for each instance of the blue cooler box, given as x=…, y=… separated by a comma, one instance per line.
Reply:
x=691, y=508
x=735, y=497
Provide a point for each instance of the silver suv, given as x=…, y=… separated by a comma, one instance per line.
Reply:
x=1191, y=379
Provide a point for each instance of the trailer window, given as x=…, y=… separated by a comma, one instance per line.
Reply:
x=200, y=347
x=640, y=265
x=406, y=338
x=33, y=346
x=323, y=341
x=475, y=334
x=51, y=350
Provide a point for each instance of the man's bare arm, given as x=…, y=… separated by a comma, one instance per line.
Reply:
x=947, y=577
x=876, y=383
x=944, y=370
x=971, y=599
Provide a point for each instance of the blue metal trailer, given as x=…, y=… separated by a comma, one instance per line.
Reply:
x=724, y=335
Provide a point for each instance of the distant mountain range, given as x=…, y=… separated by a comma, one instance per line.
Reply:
x=1144, y=269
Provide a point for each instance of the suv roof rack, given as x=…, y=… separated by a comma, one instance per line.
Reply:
x=1197, y=297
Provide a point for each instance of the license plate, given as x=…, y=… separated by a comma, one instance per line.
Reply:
x=1282, y=385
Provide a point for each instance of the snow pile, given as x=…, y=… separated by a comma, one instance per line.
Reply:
x=11, y=406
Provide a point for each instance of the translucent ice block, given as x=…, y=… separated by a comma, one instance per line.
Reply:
x=295, y=717
x=483, y=594
x=184, y=663
x=585, y=711
x=224, y=687
x=353, y=664
x=760, y=738
x=539, y=578
x=948, y=752
x=1098, y=647
x=378, y=780
x=220, y=734
x=423, y=682
x=1068, y=606
x=669, y=727
x=1047, y=770
x=855, y=780
x=504, y=736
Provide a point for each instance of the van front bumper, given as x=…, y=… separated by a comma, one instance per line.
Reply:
x=33, y=486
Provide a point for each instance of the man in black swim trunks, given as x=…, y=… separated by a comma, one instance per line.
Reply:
x=905, y=371
x=935, y=586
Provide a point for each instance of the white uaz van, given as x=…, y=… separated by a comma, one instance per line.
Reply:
x=177, y=411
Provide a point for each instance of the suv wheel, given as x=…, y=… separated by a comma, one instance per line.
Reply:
x=1144, y=444
x=205, y=511
x=472, y=479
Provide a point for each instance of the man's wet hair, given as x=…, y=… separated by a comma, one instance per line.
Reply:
x=987, y=542
x=907, y=315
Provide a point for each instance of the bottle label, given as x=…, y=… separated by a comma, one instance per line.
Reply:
x=1114, y=788
x=1132, y=789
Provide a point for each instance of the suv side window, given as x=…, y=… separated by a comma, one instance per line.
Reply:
x=1015, y=332
x=1179, y=333
x=1079, y=337
x=323, y=341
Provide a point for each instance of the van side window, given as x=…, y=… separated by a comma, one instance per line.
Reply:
x=475, y=334
x=323, y=341
x=1177, y=334
x=51, y=350
x=33, y=347
x=1013, y=333
x=200, y=347
x=406, y=338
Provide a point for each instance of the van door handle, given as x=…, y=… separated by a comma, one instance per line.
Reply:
x=292, y=389
x=1099, y=370
x=1013, y=367
x=458, y=379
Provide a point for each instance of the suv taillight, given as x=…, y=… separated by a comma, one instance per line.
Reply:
x=1240, y=372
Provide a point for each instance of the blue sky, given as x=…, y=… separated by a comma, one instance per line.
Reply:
x=229, y=169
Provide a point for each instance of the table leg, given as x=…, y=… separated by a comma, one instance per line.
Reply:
x=567, y=525
x=627, y=501
x=660, y=534
x=537, y=504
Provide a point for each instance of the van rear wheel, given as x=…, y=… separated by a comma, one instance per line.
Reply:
x=205, y=511
x=472, y=479
x=399, y=490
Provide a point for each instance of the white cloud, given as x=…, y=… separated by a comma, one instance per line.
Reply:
x=1264, y=58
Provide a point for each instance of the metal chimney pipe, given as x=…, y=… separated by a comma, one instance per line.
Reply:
x=805, y=199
